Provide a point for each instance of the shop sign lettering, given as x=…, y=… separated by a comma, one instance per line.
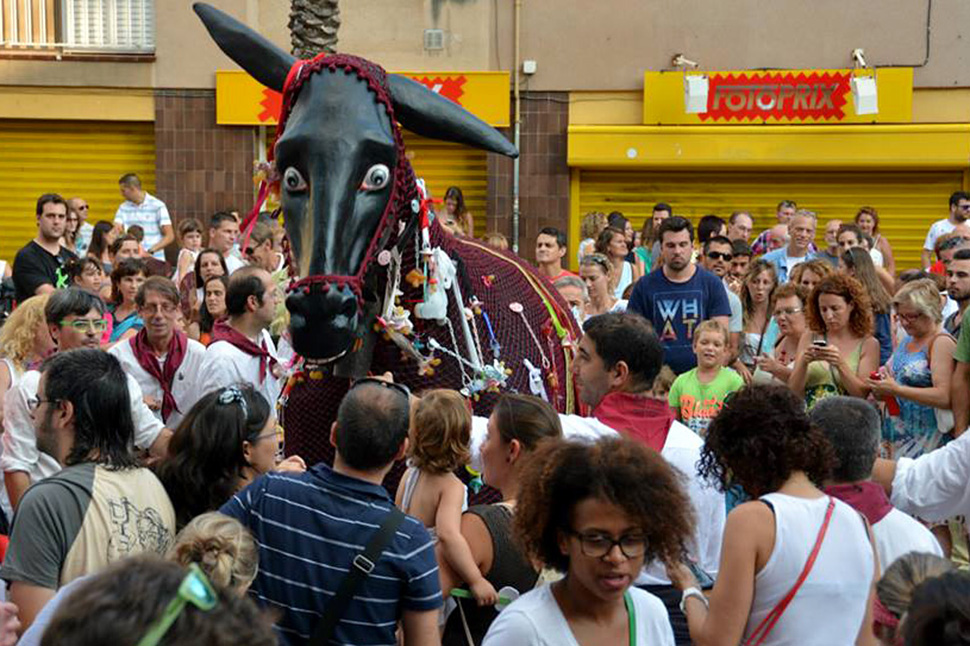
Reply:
x=785, y=96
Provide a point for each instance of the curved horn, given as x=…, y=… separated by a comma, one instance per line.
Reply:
x=431, y=115
x=264, y=61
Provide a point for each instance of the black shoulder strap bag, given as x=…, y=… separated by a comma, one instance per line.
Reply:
x=362, y=565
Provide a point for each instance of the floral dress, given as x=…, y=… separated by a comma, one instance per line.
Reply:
x=914, y=431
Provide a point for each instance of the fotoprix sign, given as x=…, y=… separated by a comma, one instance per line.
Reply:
x=777, y=96
x=789, y=96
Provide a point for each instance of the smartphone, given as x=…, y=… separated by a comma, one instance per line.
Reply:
x=705, y=580
x=819, y=343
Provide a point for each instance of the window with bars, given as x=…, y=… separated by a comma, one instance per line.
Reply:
x=118, y=26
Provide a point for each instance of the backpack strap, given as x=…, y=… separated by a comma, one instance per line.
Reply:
x=360, y=568
x=768, y=623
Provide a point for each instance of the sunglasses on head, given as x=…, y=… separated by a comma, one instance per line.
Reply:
x=400, y=388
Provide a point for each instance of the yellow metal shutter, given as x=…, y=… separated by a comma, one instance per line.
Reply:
x=73, y=158
x=442, y=164
x=908, y=202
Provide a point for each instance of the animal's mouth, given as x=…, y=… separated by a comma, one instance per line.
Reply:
x=324, y=320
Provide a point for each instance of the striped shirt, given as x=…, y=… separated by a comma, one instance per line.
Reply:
x=151, y=215
x=309, y=527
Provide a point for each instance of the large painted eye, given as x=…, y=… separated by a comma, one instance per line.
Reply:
x=377, y=177
x=293, y=181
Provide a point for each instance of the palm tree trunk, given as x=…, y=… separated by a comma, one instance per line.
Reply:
x=313, y=26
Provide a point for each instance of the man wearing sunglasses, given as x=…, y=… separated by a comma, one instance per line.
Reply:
x=101, y=506
x=326, y=515
x=959, y=212
x=75, y=319
x=79, y=207
x=717, y=258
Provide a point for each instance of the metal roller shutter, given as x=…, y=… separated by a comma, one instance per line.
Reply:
x=73, y=158
x=442, y=164
x=907, y=201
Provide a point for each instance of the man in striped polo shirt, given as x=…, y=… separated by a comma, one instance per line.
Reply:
x=147, y=211
x=310, y=526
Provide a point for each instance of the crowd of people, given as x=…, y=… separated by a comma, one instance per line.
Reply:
x=773, y=450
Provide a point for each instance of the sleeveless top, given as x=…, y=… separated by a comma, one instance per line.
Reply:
x=510, y=567
x=410, y=484
x=15, y=372
x=821, y=379
x=915, y=431
x=626, y=277
x=830, y=606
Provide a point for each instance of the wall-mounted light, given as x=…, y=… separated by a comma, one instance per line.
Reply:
x=695, y=93
x=865, y=97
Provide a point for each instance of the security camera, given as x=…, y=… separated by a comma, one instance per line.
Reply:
x=679, y=60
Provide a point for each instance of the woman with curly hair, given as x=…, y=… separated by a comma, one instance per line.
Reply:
x=518, y=425
x=596, y=513
x=764, y=441
x=226, y=439
x=858, y=264
x=24, y=341
x=838, y=352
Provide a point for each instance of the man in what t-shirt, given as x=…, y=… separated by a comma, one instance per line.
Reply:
x=102, y=506
x=37, y=267
x=680, y=296
x=143, y=209
x=959, y=213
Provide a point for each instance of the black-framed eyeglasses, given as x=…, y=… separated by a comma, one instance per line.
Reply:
x=401, y=388
x=719, y=255
x=34, y=403
x=598, y=545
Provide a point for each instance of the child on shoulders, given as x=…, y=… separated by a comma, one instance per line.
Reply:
x=431, y=492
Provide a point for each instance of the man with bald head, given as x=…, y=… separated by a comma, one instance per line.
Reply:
x=326, y=515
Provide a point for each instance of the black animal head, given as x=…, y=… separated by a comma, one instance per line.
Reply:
x=342, y=167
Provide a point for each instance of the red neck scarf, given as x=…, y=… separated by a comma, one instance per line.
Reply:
x=222, y=331
x=643, y=418
x=867, y=498
x=164, y=375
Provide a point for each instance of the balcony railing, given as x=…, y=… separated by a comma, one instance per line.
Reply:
x=114, y=26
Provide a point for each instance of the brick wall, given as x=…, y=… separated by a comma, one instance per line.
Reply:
x=544, y=175
x=200, y=167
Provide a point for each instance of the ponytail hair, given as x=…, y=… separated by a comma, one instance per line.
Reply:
x=222, y=547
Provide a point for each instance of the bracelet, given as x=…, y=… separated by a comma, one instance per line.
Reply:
x=692, y=592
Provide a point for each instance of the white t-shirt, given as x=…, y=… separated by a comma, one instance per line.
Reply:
x=20, y=440
x=184, y=386
x=233, y=262
x=877, y=258
x=736, y=323
x=224, y=365
x=151, y=215
x=791, y=263
x=535, y=619
x=682, y=450
x=939, y=228
x=899, y=533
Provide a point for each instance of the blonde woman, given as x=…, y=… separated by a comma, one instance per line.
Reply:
x=918, y=374
x=589, y=230
x=24, y=340
x=597, y=272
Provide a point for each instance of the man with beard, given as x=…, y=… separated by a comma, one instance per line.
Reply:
x=101, y=506
x=161, y=358
x=958, y=289
x=37, y=267
x=717, y=260
x=75, y=319
x=680, y=296
x=959, y=212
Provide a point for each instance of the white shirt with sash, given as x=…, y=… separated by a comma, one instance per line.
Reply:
x=224, y=365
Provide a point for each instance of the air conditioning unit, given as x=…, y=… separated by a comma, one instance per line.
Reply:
x=434, y=39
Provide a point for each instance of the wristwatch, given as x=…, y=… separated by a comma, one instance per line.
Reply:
x=691, y=592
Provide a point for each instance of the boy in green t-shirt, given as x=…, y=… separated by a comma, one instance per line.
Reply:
x=697, y=395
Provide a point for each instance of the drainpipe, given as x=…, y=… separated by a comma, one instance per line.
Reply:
x=516, y=128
